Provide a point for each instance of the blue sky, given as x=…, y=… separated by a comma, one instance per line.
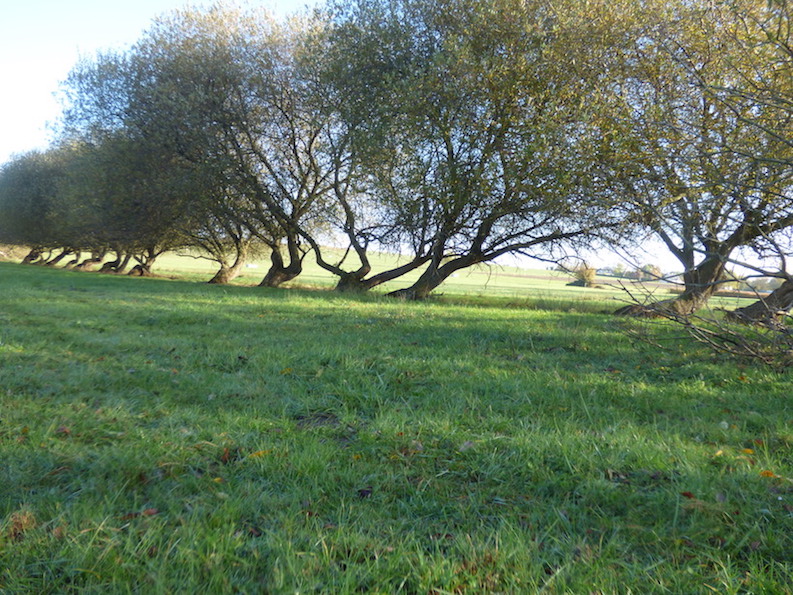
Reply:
x=40, y=41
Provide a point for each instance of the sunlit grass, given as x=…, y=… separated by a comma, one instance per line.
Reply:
x=485, y=281
x=166, y=436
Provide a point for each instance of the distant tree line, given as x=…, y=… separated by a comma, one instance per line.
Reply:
x=451, y=132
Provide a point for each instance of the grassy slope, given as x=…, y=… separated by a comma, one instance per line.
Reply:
x=159, y=435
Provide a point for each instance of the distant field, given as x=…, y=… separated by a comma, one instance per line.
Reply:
x=489, y=281
x=163, y=436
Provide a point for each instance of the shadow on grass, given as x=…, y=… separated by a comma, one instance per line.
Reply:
x=287, y=415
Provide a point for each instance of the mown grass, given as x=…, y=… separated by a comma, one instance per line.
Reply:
x=161, y=436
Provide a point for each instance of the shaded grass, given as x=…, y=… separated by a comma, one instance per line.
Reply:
x=164, y=436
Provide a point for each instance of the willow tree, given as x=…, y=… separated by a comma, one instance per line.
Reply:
x=477, y=113
x=222, y=236
x=30, y=185
x=259, y=100
x=763, y=34
x=128, y=196
x=189, y=91
x=265, y=110
x=705, y=175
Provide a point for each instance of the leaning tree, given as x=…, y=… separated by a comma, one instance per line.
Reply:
x=764, y=38
x=171, y=103
x=29, y=189
x=475, y=125
x=128, y=196
x=237, y=101
x=701, y=164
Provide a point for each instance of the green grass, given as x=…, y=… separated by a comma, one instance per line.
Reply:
x=164, y=436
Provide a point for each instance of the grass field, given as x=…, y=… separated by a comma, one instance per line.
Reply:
x=164, y=436
x=491, y=281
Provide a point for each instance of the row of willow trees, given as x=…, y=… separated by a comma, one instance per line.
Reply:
x=451, y=132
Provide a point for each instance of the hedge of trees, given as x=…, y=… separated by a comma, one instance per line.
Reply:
x=452, y=132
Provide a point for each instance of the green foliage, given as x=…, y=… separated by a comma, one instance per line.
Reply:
x=702, y=155
x=29, y=188
x=479, y=127
x=454, y=132
x=165, y=436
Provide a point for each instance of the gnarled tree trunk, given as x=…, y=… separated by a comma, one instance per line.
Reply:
x=54, y=261
x=434, y=275
x=280, y=272
x=141, y=270
x=96, y=258
x=354, y=282
x=33, y=256
x=145, y=260
x=74, y=261
x=358, y=282
x=769, y=309
x=227, y=273
x=700, y=284
x=118, y=265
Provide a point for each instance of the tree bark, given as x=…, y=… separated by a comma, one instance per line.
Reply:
x=118, y=265
x=352, y=283
x=227, y=273
x=434, y=276
x=96, y=258
x=280, y=272
x=124, y=264
x=769, y=309
x=32, y=256
x=141, y=270
x=700, y=283
x=54, y=261
x=146, y=259
x=74, y=261
x=358, y=282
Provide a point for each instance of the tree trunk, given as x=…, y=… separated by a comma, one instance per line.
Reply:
x=354, y=282
x=769, y=309
x=277, y=276
x=96, y=258
x=54, y=261
x=124, y=264
x=279, y=272
x=145, y=259
x=224, y=276
x=32, y=256
x=118, y=265
x=227, y=273
x=141, y=270
x=358, y=282
x=434, y=276
x=88, y=263
x=685, y=305
x=74, y=261
x=700, y=283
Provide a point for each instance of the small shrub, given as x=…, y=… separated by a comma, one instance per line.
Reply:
x=584, y=275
